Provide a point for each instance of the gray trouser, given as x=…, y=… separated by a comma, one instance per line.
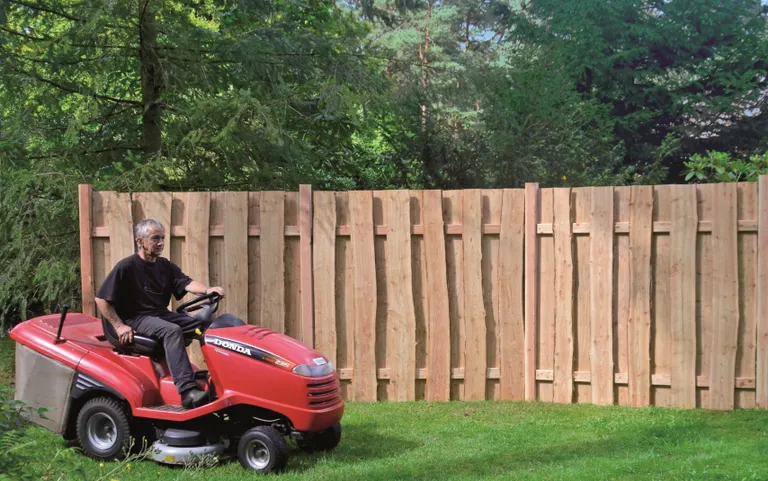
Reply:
x=170, y=329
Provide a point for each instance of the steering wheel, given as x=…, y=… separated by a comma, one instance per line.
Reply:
x=197, y=303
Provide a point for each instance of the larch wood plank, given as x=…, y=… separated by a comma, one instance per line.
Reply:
x=545, y=331
x=236, y=254
x=725, y=303
x=601, y=275
x=621, y=292
x=683, y=296
x=365, y=298
x=324, y=268
x=400, y=306
x=762, y=294
x=563, y=365
x=531, y=286
x=120, y=223
x=272, y=250
x=84, y=193
x=582, y=321
x=746, y=354
x=306, y=312
x=639, y=325
x=661, y=330
x=511, y=295
x=474, y=307
x=438, y=317
x=197, y=214
x=454, y=253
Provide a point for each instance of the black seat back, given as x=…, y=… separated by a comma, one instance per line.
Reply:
x=140, y=345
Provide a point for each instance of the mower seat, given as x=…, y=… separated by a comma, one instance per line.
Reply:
x=141, y=344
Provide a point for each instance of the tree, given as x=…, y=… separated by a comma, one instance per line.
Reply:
x=672, y=73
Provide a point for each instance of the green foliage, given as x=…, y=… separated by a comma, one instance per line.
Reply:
x=14, y=458
x=39, y=244
x=723, y=167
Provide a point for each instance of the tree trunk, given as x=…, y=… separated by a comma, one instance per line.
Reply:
x=153, y=82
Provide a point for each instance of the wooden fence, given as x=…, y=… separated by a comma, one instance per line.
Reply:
x=611, y=295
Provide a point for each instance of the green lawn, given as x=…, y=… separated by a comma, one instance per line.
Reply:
x=486, y=440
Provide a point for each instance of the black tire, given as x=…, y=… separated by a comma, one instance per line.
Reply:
x=103, y=430
x=326, y=440
x=262, y=449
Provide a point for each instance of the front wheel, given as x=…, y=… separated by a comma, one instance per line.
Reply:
x=325, y=440
x=103, y=430
x=262, y=449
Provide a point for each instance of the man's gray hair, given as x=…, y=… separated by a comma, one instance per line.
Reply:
x=142, y=228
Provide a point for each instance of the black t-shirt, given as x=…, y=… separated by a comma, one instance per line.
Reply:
x=138, y=287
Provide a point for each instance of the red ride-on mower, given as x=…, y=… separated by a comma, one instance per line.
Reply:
x=263, y=386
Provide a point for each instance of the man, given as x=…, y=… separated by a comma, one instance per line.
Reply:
x=134, y=298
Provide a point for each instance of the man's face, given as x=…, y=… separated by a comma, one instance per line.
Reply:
x=154, y=242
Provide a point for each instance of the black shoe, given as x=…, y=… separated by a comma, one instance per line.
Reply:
x=194, y=398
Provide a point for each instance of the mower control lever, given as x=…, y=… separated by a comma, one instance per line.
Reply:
x=64, y=310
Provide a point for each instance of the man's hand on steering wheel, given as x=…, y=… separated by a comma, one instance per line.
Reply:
x=217, y=289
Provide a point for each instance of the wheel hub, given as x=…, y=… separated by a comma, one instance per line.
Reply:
x=257, y=454
x=102, y=431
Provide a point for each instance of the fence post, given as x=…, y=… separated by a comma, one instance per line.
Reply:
x=531, y=282
x=762, y=294
x=84, y=192
x=305, y=259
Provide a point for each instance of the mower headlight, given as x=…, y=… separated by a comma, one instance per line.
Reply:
x=314, y=371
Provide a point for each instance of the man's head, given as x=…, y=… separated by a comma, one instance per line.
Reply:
x=150, y=238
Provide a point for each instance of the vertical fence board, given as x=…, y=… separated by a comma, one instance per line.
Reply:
x=704, y=293
x=438, y=316
x=323, y=264
x=197, y=215
x=563, y=365
x=454, y=253
x=725, y=302
x=254, y=261
x=621, y=294
x=235, y=250
x=119, y=220
x=491, y=215
x=661, y=330
x=746, y=354
x=475, y=363
x=545, y=331
x=639, y=326
x=292, y=269
x=683, y=295
x=531, y=286
x=306, y=313
x=84, y=193
x=386, y=345
x=601, y=275
x=419, y=290
x=401, y=316
x=272, y=248
x=762, y=294
x=581, y=200
x=511, y=295
x=365, y=299
x=345, y=296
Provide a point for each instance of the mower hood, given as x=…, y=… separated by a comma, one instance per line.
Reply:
x=271, y=347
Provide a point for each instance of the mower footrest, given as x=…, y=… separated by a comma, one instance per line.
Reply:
x=168, y=408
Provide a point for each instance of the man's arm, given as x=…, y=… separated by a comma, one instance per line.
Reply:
x=124, y=331
x=197, y=288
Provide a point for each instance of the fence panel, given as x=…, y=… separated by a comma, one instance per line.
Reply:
x=628, y=295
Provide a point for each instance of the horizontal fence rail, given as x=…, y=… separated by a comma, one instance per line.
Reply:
x=642, y=295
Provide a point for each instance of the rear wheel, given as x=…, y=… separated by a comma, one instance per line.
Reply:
x=262, y=449
x=325, y=440
x=103, y=430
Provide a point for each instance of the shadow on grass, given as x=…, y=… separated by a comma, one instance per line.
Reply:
x=359, y=442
